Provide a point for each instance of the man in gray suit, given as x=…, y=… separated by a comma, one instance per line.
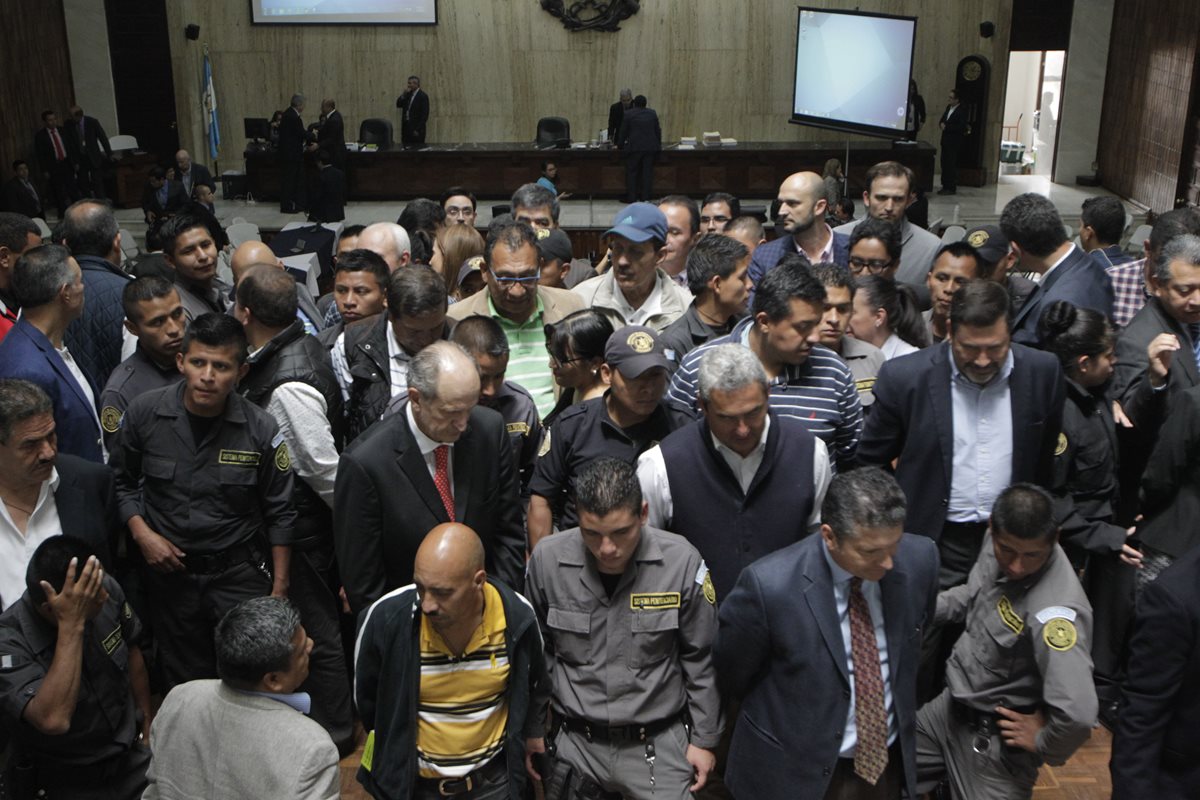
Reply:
x=640, y=138
x=246, y=735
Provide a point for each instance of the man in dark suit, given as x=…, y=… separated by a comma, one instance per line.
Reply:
x=190, y=174
x=441, y=459
x=616, y=113
x=832, y=625
x=82, y=501
x=49, y=286
x=330, y=203
x=19, y=195
x=331, y=134
x=162, y=198
x=640, y=138
x=57, y=161
x=930, y=411
x=292, y=140
x=414, y=108
x=87, y=137
x=954, y=127
x=1036, y=234
x=1156, y=746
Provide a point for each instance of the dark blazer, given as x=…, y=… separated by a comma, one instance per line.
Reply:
x=16, y=198
x=1078, y=280
x=176, y=199
x=640, y=131
x=26, y=353
x=292, y=136
x=387, y=502
x=43, y=148
x=616, y=113
x=913, y=418
x=329, y=205
x=1156, y=746
x=95, y=339
x=86, y=500
x=201, y=175
x=1171, y=481
x=1130, y=385
x=93, y=148
x=331, y=137
x=414, y=115
x=780, y=649
x=956, y=125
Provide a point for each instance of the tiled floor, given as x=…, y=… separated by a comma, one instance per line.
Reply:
x=1084, y=777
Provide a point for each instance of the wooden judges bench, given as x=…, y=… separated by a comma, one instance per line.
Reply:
x=749, y=169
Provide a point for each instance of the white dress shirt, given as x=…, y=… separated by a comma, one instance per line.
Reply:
x=427, y=447
x=397, y=359
x=895, y=347
x=656, y=488
x=874, y=598
x=86, y=388
x=17, y=548
x=983, y=437
x=303, y=420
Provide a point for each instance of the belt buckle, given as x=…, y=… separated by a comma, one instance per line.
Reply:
x=464, y=780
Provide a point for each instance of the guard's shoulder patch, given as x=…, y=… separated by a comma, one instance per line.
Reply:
x=1009, y=616
x=110, y=419
x=704, y=580
x=521, y=428
x=1050, y=612
x=283, y=459
x=1061, y=447
x=1059, y=634
x=545, y=448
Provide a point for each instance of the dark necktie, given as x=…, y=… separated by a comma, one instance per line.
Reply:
x=441, y=477
x=870, y=756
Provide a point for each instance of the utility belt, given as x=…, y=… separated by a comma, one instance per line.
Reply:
x=598, y=732
x=982, y=723
x=454, y=787
x=245, y=552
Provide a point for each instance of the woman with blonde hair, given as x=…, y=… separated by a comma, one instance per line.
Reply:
x=455, y=245
x=833, y=176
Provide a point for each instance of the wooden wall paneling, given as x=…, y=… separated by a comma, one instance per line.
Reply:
x=493, y=68
x=35, y=74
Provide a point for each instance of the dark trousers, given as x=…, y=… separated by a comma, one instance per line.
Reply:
x=62, y=185
x=846, y=785
x=291, y=186
x=328, y=679
x=951, y=145
x=91, y=180
x=1109, y=583
x=411, y=133
x=120, y=778
x=639, y=175
x=185, y=610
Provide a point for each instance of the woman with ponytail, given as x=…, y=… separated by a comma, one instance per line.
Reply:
x=886, y=315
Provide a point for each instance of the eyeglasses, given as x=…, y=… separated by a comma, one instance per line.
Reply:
x=507, y=282
x=871, y=265
x=455, y=211
x=565, y=361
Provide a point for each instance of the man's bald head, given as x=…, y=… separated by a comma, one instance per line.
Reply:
x=803, y=184
x=802, y=202
x=247, y=255
x=454, y=546
x=390, y=241
x=450, y=578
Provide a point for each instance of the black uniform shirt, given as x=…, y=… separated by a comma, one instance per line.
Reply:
x=104, y=724
x=208, y=496
x=135, y=375
x=581, y=434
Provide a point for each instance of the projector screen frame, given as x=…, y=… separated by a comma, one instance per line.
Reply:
x=254, y=20
x=843, y=126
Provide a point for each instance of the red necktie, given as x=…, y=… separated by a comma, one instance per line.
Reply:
x=59, y=152
x=441, y=477
x=870, y=756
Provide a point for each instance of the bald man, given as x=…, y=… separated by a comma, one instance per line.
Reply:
x=474, y=746
x=247, y=255
x=802, y=206
x=192, y=175
x=388, y=240
x=439, y=458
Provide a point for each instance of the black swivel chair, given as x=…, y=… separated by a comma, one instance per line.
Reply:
x=553, y=132
x=376, y=131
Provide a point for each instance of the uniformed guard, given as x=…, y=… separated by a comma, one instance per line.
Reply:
x=627, y=420
x=155, y=315
x=73, y=682
x=1019, y=682
x=628, y=615
x=204, y=481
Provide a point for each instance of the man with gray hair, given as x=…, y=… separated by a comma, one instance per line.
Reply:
x=742, y=481
x=390, y=241
x=268, y=747
x=442, y=458
x=292, y=141
x=536, y=206
x=831, y=625
x=616, y=113
x=91, y=233
x=49, y=286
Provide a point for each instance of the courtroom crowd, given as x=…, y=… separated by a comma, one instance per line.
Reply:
x=831, y=509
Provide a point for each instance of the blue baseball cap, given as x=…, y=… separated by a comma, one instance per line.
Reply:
x=640, y=222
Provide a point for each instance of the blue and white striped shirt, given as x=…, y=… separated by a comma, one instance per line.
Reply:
x=819, y=392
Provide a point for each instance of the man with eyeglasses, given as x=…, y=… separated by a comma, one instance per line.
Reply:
x=802, y=206
x=512, y=296
x=459, y=205
x=716, y=210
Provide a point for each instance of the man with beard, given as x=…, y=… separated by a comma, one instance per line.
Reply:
x=802, y=206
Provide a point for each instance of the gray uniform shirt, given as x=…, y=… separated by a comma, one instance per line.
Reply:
x=134, y=376
x=1027, y=644
x=864, y=360
x=643, y=655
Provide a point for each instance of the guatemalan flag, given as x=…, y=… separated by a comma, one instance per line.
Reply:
x=209, y=100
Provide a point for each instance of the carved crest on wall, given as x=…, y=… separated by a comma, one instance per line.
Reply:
x=592, y=15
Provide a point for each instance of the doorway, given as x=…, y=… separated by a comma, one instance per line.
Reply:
x=1031, y=109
